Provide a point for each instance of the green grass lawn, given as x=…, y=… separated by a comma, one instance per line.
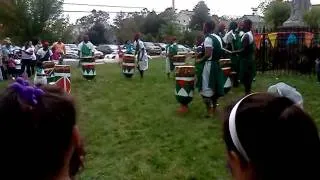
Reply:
x=132, y=131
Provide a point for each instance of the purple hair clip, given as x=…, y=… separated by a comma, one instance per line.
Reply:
x=28, y=93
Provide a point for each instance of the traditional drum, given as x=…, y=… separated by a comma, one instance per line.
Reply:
x=48, y=67
x=89, y=70
x=128, y=65
x=225, y=65
x=179, y=60
x=86, y=60
x=62, y=75
x=185, y=77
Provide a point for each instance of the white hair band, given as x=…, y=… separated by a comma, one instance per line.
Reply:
x=233, y=128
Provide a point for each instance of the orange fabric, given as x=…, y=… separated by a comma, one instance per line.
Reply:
x=258, y=38
x=308, y=39
x=60, y=47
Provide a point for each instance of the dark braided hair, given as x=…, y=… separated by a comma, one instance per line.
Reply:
x=36, y=136
x=279, y=138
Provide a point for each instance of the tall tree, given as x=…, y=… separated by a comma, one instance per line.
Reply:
x=152, y=24
x=90, y=20
x=24, y=19
x=200, y=16
x=277, y=12
x=312, y=18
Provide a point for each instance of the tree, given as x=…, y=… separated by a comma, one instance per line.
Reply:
x=97, y=27
x=312, y=18
x=25, y=19
x=277, y=12
x=100, y=17
x=168, y=15
x=169, y=30
x=200, y=16
x=152, y=24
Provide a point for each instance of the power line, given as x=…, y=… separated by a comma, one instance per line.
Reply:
x=102, y=5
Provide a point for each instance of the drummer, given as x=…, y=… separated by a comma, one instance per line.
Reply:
x=247, y=66
x=86, y=48
x=172, y=51
x=210, y=78
x=129, y=47
x=141, y=53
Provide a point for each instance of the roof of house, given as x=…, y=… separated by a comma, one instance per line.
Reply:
x=254, y=18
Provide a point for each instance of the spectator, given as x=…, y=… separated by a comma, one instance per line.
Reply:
x=44, y=53
x=6, y=50
x=60, y=47
x=55, y=54
x=268, y=137
x=12, y=67
x=34, y=58
x=39, y=136
x=26, y=56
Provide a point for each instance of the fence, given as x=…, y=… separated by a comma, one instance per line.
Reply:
x=286, y=52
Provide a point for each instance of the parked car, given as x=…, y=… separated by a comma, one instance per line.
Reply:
x=161, y=45
x=105, y=49
x=98, y=54
x=152, y=49
x=182, y=50
x=73, y=47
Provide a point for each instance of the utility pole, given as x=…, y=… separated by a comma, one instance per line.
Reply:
x=173, y=5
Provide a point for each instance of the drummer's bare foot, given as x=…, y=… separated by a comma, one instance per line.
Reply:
x=183, y=109
x=211, y=112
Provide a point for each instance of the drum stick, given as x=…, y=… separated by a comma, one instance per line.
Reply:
x=226, y=50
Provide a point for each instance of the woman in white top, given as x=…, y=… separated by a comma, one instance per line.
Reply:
x=27, y=56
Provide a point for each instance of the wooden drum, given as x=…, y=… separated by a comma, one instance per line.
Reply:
x=185, y=78
x=128, y=65
x=89, y=70
x=179, y=60
x=225, y=65
x=62, y=75
x=48, y=67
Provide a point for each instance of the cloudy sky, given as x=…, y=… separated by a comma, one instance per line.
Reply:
x=220, y=7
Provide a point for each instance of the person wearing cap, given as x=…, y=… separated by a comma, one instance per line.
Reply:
x=172, y=50
x=284, y=90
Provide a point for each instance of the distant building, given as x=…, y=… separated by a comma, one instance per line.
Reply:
x=184, y=19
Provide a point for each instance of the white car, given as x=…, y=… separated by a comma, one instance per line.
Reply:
x=98, y=54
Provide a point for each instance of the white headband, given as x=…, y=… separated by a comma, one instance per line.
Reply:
x=233, y=129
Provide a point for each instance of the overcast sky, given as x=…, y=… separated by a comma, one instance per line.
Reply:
x=220, y=7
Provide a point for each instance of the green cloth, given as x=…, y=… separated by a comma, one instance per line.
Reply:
x=235, y=64
x=216, y=79
x=86, y=51
x=173, y=49
x=247, y=65
x=129, y=48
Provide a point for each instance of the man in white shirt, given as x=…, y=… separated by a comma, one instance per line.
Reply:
x=44, y=53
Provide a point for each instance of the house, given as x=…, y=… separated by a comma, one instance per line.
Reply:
x=183, y=19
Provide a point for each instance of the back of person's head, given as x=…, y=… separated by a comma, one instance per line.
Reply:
x=247, y=23
x=268, y=137
x=38, y=132
x=209, y=27
x=233, y=26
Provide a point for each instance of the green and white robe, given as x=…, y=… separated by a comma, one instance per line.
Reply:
x=247, y=65
x=142, y=56
x=172, y=49
x=210, y=78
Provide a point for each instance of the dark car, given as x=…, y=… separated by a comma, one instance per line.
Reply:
x=152, y=49
x=161, y=45
x=105, y=49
